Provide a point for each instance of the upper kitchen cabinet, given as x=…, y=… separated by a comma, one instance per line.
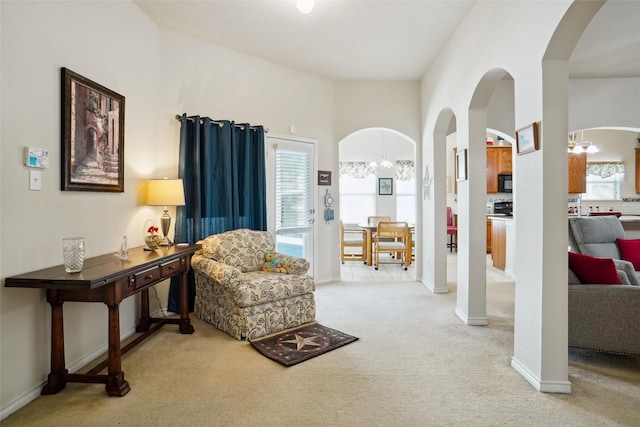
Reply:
x=578, y=173
x=498, y=162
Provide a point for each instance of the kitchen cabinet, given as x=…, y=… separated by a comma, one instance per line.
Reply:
x=488, y=235
x=578, y=173
x=498, y=161
x=499, y=242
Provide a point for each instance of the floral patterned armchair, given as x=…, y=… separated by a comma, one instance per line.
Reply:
x=234, y=293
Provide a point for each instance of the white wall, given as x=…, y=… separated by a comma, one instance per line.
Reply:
x=161, y=74
x=114, y=44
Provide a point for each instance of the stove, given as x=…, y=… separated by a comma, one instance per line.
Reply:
x=504, y=208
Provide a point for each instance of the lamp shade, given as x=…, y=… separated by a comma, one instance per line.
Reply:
x=165, y=192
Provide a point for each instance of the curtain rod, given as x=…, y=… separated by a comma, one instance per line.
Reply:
x=219, y=123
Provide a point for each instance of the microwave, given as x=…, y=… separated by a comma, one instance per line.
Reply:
x=505, y=183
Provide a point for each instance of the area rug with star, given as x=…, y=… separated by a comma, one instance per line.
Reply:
x=297, y=345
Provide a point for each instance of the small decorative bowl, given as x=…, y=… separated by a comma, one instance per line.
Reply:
x=152, y=241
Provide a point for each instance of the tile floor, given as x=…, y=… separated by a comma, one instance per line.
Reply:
x=357, y=271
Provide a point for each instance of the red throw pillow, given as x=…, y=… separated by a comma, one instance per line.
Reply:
x=594, y=271
x=630, y=251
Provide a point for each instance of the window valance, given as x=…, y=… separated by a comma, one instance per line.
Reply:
x=605, y=169
x=359, y=170
x=405, y=170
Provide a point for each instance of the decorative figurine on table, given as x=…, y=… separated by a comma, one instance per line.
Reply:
x=152, y=239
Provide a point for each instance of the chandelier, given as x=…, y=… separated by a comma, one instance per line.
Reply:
x=580, y=146
x=383, y=162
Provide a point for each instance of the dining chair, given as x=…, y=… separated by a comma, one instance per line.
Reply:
x=352, y=243
x=374, y=220
x=452, y=231
x=392, y=237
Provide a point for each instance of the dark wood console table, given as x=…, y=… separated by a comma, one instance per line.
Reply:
x=109, y=280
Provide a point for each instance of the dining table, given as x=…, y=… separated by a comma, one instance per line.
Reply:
x=368, y=241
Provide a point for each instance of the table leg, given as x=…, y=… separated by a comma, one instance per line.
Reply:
x=115, y=384
x=369, y=244
x=145, y=319
x=57, y=379
x=185, y=326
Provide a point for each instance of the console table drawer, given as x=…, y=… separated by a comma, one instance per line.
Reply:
x=147, y=277
x=171, y=267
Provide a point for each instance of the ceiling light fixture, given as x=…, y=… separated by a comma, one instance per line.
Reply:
x=304, y=6
x=383, y=162
x=581, y=146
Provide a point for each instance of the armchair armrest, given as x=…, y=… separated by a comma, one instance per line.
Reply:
x=294, y=265
x=628, y=269
x=225, y=275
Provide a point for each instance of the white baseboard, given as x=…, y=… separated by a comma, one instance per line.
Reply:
x=542, y=386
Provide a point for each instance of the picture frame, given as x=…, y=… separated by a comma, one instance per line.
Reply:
x=461, y=165
x=527, y=139
x=92, y=135
x=324, y=177
x=385, y=186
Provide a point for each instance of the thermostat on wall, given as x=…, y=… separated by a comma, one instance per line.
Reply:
x=36, y=157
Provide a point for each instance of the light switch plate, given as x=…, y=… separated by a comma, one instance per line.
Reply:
x=35, y=180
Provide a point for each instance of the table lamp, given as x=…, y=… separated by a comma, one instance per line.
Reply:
x=165, y=192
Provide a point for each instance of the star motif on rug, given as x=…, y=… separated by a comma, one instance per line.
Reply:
x=301, y=341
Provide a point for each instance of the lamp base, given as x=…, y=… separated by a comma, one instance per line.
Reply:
x=165, y=241
x=165, y=222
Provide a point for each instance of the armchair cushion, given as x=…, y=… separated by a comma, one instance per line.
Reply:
x=243, y=248
x=630, y=251
x=596, y=236
x=591, y=270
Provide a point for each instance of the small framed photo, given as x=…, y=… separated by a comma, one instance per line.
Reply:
x=385, y=186
x=461, y=165
x=527, y=139
x=324, y=177
x=92, y=136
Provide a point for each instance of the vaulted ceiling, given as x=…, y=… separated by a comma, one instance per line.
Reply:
x=377, y=40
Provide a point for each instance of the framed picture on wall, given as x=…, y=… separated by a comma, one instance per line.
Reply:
x=324, y=177
x=92, y=135
x=461, y=165
x=385, y=186
x=527, y=139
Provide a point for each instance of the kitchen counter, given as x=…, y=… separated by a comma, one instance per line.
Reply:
x=629, y=218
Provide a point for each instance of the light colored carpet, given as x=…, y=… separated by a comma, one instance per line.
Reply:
x=415, y=364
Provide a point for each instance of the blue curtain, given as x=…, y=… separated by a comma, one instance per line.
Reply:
x=222, y=165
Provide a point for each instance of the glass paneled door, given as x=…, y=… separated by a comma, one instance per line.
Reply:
x=290, y=200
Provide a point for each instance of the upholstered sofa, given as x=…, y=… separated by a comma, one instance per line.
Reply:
x=236, y=295
x=603, y=317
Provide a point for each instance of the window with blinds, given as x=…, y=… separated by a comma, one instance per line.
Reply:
x=292, y=190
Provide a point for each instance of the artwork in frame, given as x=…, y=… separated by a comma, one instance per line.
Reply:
x=527, y=139
x=92, y=135
x=385, y=186
x=324, y=177
x=461, y=165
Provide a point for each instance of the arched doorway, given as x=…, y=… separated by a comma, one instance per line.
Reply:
x=368, y=157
